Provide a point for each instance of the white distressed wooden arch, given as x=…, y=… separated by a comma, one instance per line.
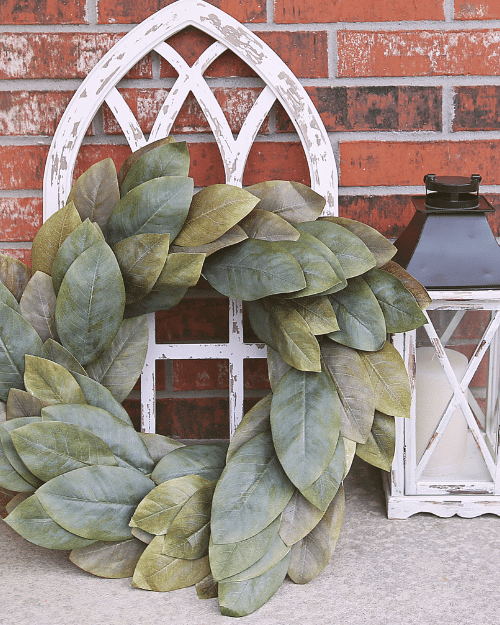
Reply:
x=101, y=86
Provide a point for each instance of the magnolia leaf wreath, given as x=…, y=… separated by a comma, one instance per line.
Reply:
x=321, y=292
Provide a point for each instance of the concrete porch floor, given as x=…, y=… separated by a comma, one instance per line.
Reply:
x=421, y=571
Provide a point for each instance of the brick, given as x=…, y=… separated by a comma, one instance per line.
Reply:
x=21, y=253
x=128, y=12
x=367, y=163
x=473, y=10
x=418, y=53
x=304, y=52
x=32, y=112
x=389, y=214
x=20, y=218
x=59, y=55
x=477, y=108
x=43, y=12
x=200, y=375
x=195, y=320
x=373, y=108
x=306, y=12
x=255, y=374
x=146, y=103
x=22, y=166
x=195, y=418
x=92, y=153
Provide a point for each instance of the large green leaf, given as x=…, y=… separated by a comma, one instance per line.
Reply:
x=159, y=445
x=124, y=441
x=159, y=206
x=60, y=355
x=23, y=404
x=51, y=235
x=293, y=337
x=50, y=448
x=252, y=491
x=389, y=380
x=310, y=556
x=350, y=452
x=260, y=322
x=135, y=156
x=361, y=320
x=382, y=249
x=305, y=424
x=51, y=383
x=261, y=224
x=188, y=535
x=231, y=237
x=98, y=395
x=418, y=291
x=75, y=244
x=324, y=489
x=276, y=367
x=90, y=303
x=32, y=522
x=276, y=551
x=207, y=588
x=95, y=502
x=240, y=598
x=141, y=259
x=205, y=460
x=7, y=298
x=318, y=313
x=254, y=269
x=10, y=478
x=348, y=371
x=6, y=430
x=113, y=560
x=17, y=338
x=299, y=517
x=119, y=367
x=400, y=308
x=213, y=211
x=353, y=255
x=38, y=305
x=14, y=274
x=293, y=201
x=381, y=444
x=157, y=571
x=169, y=159
x=96, y=192
x=329, y=257
x=159, y=508
x=230, y=559
x=255, y=421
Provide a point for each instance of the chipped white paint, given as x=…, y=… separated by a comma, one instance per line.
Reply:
x=100, y=87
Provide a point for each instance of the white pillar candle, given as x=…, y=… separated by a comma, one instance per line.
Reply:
x=433, y=393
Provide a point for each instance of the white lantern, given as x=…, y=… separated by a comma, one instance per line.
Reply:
x=447, y=454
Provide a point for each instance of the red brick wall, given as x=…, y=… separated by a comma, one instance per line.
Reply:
x=404, y=88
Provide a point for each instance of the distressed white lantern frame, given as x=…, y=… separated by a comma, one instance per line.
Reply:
x=407, y=488
x=280, y=84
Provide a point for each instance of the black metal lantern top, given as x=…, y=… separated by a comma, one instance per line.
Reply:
x=448, y=244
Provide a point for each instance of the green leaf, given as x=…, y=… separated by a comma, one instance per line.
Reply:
x=6, y=430
x=135, y=156
x=90, y=303
x=32, y=522
x=8, y=299
x=119, y=367
x=141, y=259
x=321, y=249
x=231, y=237
x=61, y=356
x=10, y=478
x=17, y=339
x=156, y=571
x=416, y=289
x=292, y=336
x=144, y=537
x=38, y=305
x=96, y=192
x=361, y=320
x=276, y=367
x=207, y=588
x=51, y=235
x=188, y=535
x=205, y=460
x=350, y=452
x=156, y=512
x=170, y=159
x=159, y=206
x=318, y=313
x=123, y=440
x=382, y=249
x=11, y=505
x=310, y=556
x=159, y=445
x=98, y=395
x=240, y=598
x=254, y=269
x=113, y=560
x=23, y=404
x=255, y=421
x=51, y=382
x=251, y=492
x=305, y=424
x=213, y=211
x=230, y=559
x=261, y=224
x=83, y=237
x=381, y=444
x=400, y=308
x=95, y=502
x=14, y=275
x=348, y=370
x=389, y=380
x=298, y=519
x=276, y=552
x=260, y=322
x=293, y=201
x=324, y=489
x=353, y=255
